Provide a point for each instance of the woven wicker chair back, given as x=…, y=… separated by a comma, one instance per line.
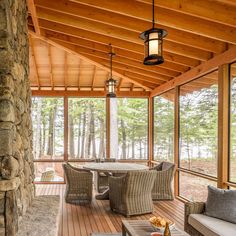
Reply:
x=139, y=182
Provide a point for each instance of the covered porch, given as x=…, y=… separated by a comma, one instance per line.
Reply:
x=75, y=89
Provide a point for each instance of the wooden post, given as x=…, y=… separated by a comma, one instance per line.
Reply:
x=223, y=125
x=176, y=142
x=66, y=128
x=107, y=127
x=150, y=130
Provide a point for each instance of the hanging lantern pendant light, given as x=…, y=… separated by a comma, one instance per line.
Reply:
x=153, y=41
x=111, y=83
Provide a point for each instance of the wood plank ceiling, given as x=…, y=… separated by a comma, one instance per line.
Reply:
x=69, y=41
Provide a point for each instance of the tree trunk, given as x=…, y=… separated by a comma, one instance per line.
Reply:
x=50, y=134
x=102, y=142
x=140, y=149
x=92, y=132
x=38, y=130
x=83, y=134
x=71, y=137
x=54, y=120
x=133, y=144
x=188, y=152
x=88, y=135
x=79, y=134
x=123, y=139
x=43, y=139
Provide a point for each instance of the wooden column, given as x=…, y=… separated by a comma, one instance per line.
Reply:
x=107, y=127
x=176, y=142
x=66, y=128
x=223, y=125
x=150, y=130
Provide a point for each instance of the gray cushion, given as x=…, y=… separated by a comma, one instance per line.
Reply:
x=221, y=204
x=211, y=226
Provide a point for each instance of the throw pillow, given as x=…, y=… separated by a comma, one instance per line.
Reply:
x=221, y=204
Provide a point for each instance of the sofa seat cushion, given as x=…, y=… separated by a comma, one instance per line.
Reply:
x=210, y=226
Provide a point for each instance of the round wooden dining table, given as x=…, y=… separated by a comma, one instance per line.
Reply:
x=114, y=167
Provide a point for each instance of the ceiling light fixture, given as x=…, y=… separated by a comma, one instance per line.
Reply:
x=111, y=83
x=153, y=41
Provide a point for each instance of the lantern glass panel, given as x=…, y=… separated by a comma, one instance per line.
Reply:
x=153, y=43
x=111, y=87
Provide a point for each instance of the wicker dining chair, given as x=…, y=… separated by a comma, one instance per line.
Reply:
x=162, y=189
x=101, y=178
x=130, y=194
x=79, y=184
x=47, y=176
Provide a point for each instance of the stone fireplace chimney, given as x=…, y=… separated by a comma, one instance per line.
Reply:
x=16, y=159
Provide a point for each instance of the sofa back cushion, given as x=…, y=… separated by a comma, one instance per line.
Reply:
x=221, y=204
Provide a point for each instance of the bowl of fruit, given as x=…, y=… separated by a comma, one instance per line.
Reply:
x=159, y=223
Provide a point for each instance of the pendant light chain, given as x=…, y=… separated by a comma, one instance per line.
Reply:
x=153, y=41
x=111, y=54
x=111, y=83
x=153, y=14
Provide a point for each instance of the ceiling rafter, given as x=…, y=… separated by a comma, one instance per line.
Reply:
x=79, y=73
x=34, y=61
x=94, y=77
x=121, y=54
x=128, y=22
x=201, y=70
x=118, y=33
x=205, y=9
x=66, y=71
x=32, y=9
x=181, y=21
x=58, y=28
x=120, y=83
x=50, y=65
x=70, y=49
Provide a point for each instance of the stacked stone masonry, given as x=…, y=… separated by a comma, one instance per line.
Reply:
x=16, y=159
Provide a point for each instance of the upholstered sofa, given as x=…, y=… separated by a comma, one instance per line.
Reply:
x=215, y=217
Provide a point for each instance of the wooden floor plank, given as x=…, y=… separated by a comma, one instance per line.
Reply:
x=81, y=220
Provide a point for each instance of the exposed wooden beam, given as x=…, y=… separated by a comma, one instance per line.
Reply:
x=79, y=73
x=204, y=68
x=50, y=65
x=32, y=9
x=161, y=74
x=94, y=76
x=206, y=9
x=139, y=76
x=223, y=126
x=34, y=60
x=66, y=123
x=71, y=50
x=122, y=55
x=65, y=71
x=118, y=33
x=183, y=22
x=132, y=87
x=176, y=141
x=120, y=84
x=58, y=28
x=129, y=23
x=230, y=2
x=54, y=93
x=150, y=130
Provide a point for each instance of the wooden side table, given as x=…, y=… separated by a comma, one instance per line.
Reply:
x=144, y=228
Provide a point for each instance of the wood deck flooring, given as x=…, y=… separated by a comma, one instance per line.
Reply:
x=81, y=220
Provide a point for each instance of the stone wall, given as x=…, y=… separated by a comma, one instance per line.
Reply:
x=16, y=159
